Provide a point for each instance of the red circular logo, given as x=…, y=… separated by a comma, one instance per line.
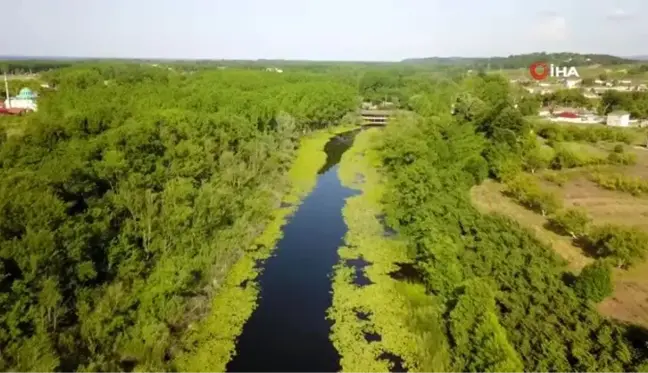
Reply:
x=539, y=70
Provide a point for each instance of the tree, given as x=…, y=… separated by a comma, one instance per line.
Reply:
x=537, y=158
x=528, y=193
x=625, y=246
x=478, y=168
x=529, y=105
x=595, y=281
x=127, y=188
x=574, y=222
x=480, y=342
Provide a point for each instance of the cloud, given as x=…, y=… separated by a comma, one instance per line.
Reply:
x=619, y=14
x=551, y=26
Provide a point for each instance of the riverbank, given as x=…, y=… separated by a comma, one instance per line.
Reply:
x=376, y=317
x=210, y=343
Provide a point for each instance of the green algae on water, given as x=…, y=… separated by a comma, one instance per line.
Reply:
x=389, y=308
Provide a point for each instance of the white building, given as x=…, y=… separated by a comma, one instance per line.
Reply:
x=26, y=99
x=618, y=119
x=274, y=69
x=571, y=83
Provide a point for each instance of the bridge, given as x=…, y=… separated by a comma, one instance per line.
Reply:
x=376, y=117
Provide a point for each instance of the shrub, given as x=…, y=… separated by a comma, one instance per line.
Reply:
x=555, y=177
x=544, y=202
x=595, y=281
x=478, y=168
x=527, y=192
x=567, y=157
x=562, y=132
x=622, y=158
x=537, y=158
x=625, y=246
x=571, y=221
x=520, y=186
x=618, y=148
x=633, y=185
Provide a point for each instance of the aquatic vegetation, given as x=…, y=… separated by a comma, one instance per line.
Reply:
x=383, y=316
x=210, y=344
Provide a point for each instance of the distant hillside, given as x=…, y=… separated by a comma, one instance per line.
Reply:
x=640, y=58
x=523, y=60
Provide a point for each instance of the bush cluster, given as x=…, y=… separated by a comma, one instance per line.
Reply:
x=592, y=134
x=628, y=184
x=527, y=192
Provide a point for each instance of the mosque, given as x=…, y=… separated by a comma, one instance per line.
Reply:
x=25, y=100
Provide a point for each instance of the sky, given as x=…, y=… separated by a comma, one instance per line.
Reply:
x=367, y=30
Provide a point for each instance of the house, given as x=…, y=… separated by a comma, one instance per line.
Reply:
x=599, y=81
x=26, y=100
x=625, y=81
x=571, y=83
x=274, y=69
x=618, y=119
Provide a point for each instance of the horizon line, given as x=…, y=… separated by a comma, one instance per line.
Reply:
x=52, y=57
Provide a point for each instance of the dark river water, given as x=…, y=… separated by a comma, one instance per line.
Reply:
x=288, y=331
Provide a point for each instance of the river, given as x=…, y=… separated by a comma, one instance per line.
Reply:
x=288, y=331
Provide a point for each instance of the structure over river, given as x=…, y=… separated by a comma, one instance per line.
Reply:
x=376, y=117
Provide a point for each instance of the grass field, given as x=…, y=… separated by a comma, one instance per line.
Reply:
x=629, y=302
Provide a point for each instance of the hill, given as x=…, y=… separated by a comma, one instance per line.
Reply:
x=524, y=60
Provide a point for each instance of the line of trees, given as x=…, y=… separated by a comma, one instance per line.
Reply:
x=504, y=302
x=636, y=103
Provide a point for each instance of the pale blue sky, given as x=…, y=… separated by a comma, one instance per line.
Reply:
x=320, y=29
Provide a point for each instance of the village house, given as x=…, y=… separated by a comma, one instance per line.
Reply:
x=618, y=119
x=570, y=114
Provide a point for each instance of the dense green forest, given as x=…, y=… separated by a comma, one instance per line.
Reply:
x=505, y=302
x=125, y=196
x=130, y=193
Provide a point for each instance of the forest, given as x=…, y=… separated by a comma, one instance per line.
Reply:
x=523, y=60
x=505, y=304
x=130, y=193
x=125, y=196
